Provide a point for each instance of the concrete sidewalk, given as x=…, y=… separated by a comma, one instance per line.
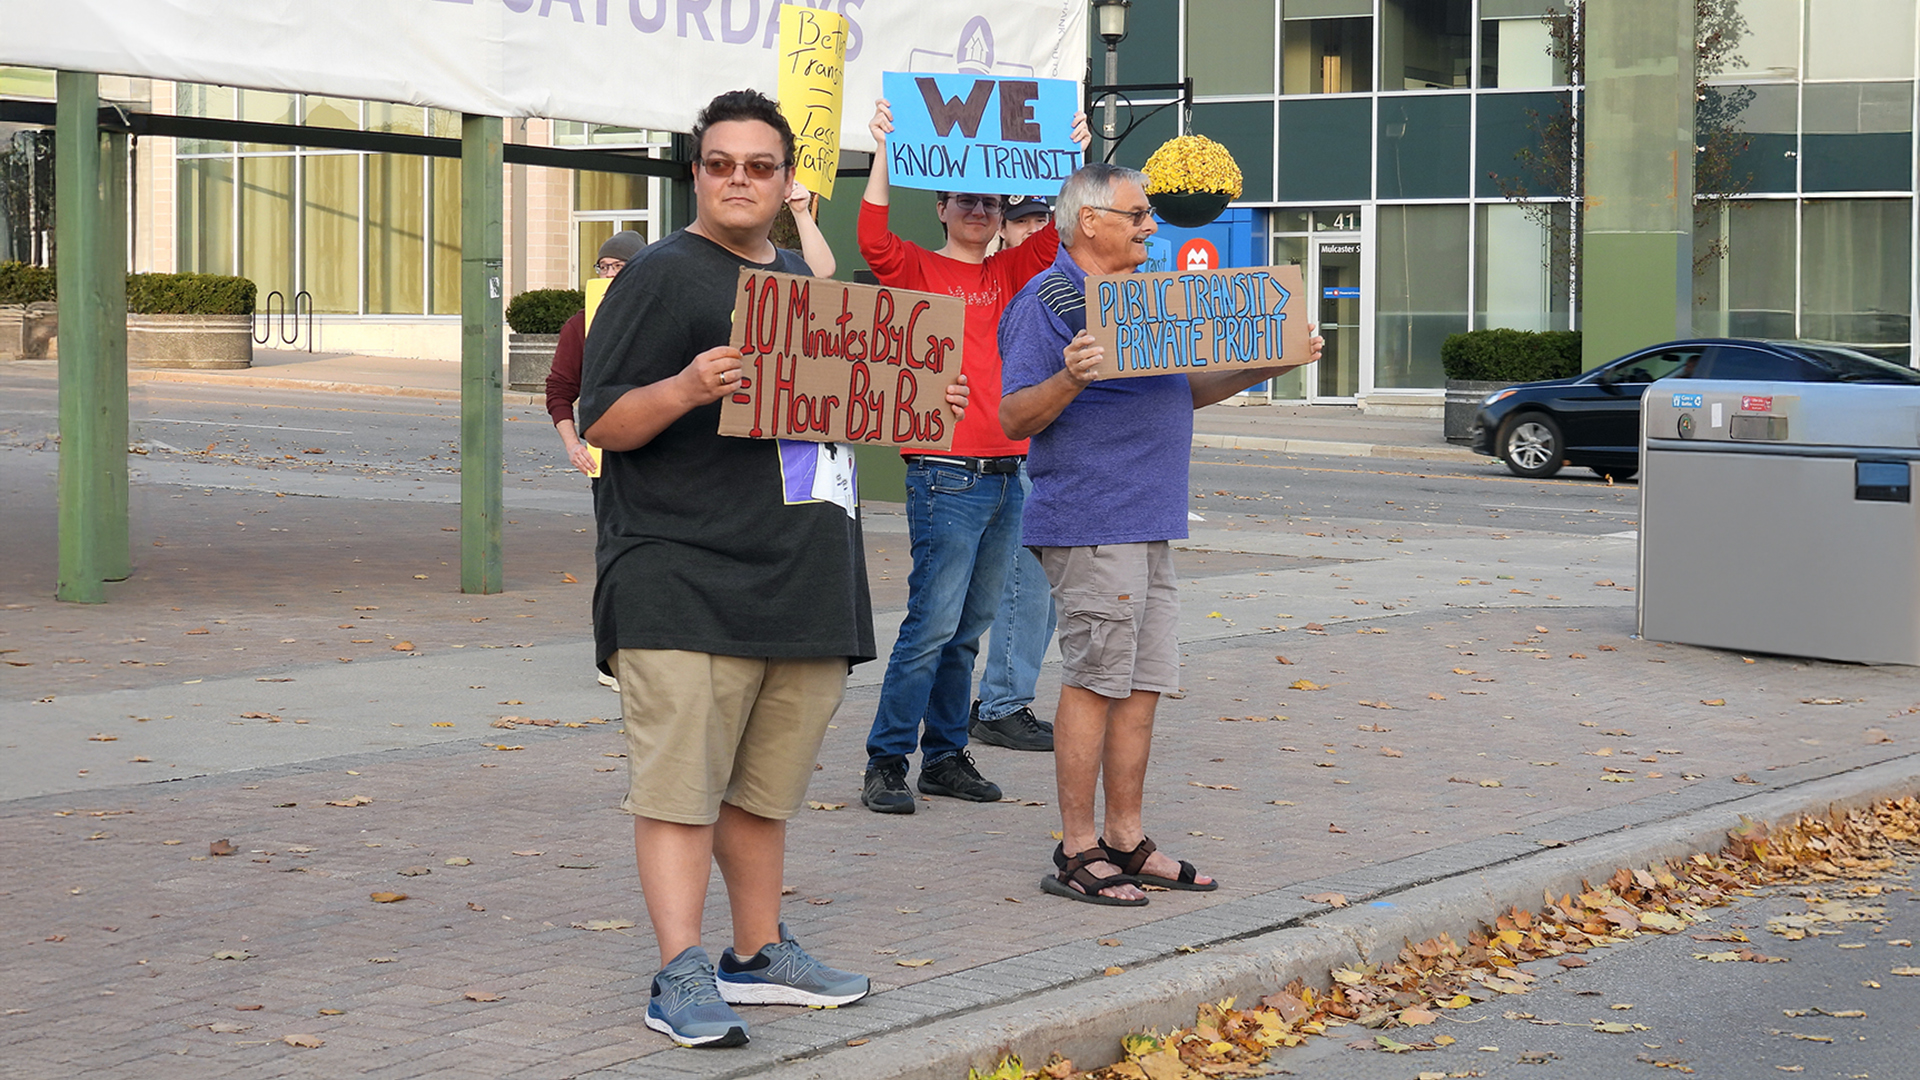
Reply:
x=1333, y=430
x=1462, y=719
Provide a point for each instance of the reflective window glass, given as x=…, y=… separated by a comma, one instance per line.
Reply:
x=1856, y=258
x=205, y=195
x=26, y=82
x=1860, y=39
x=1857, y=137
x=1245, y=128
x=1513, y=124
x=609, y=191
x=1326, y=55
x=1521, y=268
x=1324, y=151
x=396, y=234
x=266, y=223
x=1768, y=122
x=1422, y=293
x=1517, y=44
x=331, y=232
x=1740, y=362
x=400, y=119
x=1423, y=147
x=1425, y=44
x=1747, y=290
x=1230, y=46
x=446, y=235
x=1770, y=47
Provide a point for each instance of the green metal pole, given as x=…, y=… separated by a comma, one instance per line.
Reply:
x=90, y=235
x=482, y=440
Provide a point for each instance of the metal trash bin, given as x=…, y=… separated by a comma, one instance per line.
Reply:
x=1779, y=517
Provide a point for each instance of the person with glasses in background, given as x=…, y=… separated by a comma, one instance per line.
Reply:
x=730, y=601
x=963, y=506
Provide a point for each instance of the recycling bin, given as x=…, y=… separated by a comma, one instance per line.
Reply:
x=1778, y=517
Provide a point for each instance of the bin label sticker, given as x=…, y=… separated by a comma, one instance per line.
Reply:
x=1756, y=404
x=1686, y=401
x=1717, y=421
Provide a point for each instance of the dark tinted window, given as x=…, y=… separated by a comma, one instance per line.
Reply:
x=1741, y=362
x=1849, y=366
x=1665, y=364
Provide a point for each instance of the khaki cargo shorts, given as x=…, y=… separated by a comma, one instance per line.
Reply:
x=703, y=729
x=1119, y=616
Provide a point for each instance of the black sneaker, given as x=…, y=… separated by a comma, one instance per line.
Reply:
x=956, y=777
x=885, y=789
x=1018, y=730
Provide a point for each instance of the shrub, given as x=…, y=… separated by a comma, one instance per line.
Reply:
x=189, y=294
x=23, y=284
x=544, y=311
x=1511, y=356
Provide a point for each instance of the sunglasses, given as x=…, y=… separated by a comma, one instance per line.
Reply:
x=1137, y=217
x=967, y=204
x=723, y=167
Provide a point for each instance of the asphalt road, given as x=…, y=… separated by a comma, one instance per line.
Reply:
x=1736, y=1020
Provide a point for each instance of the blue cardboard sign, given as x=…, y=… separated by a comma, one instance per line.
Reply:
x=979, y=133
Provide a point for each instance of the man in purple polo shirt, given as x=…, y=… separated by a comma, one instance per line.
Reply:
x=1109, y=467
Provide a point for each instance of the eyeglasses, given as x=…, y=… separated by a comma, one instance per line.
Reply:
x=967, y=204
x=1136, y=216
x=723, y=167
x=610, y=267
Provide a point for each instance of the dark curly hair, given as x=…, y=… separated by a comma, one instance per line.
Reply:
x=743, y=105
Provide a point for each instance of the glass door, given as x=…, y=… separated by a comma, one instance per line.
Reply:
x=1333, y=286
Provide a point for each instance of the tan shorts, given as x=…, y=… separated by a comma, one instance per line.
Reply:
x=703, y=729
x=1119, y=616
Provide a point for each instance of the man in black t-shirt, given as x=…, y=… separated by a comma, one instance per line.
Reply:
x=732, y=590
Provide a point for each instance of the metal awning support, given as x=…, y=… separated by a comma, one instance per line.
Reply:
x=482, y=434
x=90, y=230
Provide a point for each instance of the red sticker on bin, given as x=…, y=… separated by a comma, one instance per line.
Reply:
x=1756, y=404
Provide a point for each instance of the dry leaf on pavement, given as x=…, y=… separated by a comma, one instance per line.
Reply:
x=386, y=897
x=1332, y=899
x=308, y=1041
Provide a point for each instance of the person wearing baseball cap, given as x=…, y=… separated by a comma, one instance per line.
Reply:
x=1024, y=215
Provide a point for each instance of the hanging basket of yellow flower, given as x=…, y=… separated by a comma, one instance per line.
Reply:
x=1190, y=180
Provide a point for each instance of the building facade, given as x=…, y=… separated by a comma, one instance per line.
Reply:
x=1378, y=139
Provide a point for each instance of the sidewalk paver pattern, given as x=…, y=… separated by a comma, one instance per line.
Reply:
x=1450, y=700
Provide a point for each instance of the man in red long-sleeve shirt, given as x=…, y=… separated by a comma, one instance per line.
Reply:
x=963, y=507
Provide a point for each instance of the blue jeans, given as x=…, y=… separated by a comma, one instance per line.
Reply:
x=1021, y=631
x=964, y=529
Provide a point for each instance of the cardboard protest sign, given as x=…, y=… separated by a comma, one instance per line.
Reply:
x=998, y=136
x=830, y=361
x=813, y=59
x=1194, y=321
x=595, y=291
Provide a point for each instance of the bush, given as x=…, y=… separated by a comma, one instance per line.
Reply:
x=1511, y=356
x=189, y=294
x=23, y=284
x=147, y=294
x=544, y=311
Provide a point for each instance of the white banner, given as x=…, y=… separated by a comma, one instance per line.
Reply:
x=641, y=63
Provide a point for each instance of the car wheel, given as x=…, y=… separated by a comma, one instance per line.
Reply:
x=1531, y=446
x=1617, y=472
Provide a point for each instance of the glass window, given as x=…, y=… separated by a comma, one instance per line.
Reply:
x=1860, y=39
x=1516, y=124
x=1857, y=137
x=205, y=244
x=446, y=235
x=1422, y=293
x=331, y=226
x=1230, y=46
x=331, y=112
x=396, y=234
x=1326, y=55
x=400, y=119
x=1423, y=147
x=1653, y=366
x=26, y=82
x=1768, y=124
x=1245, y=128
x=266, y=223
x=1521, y=272
x=609, y=191
x=262, y=107
x=1854, y=271
x=442, y=124
x=1516, y=44
x=1425, y=44
x=1741, y=362
x=1748, y=290
x=1770, y=49
x=1324, y=151
x=217, y=102
x=1142, y=58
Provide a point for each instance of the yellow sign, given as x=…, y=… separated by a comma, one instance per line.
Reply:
x=813, y=59
x=596, y=291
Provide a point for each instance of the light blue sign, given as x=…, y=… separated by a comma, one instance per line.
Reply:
x=995, y=136
x=1686, y=401
x=1340, y=292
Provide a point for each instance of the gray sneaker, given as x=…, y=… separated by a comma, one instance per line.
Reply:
x=686, y=1005
x=784, y=974
x=1018, y=730
x=955, y=776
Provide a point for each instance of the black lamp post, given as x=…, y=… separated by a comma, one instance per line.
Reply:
x=1110, y=20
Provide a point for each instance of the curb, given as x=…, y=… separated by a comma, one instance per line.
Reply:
x=1083, y=1019
x=1329, y=448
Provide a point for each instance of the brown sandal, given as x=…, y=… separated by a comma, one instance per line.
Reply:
x=1073, y=871
x=1132, y=862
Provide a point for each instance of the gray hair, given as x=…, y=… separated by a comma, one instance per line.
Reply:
x=1090, y=185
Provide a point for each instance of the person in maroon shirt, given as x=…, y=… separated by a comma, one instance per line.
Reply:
x=963, y=507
